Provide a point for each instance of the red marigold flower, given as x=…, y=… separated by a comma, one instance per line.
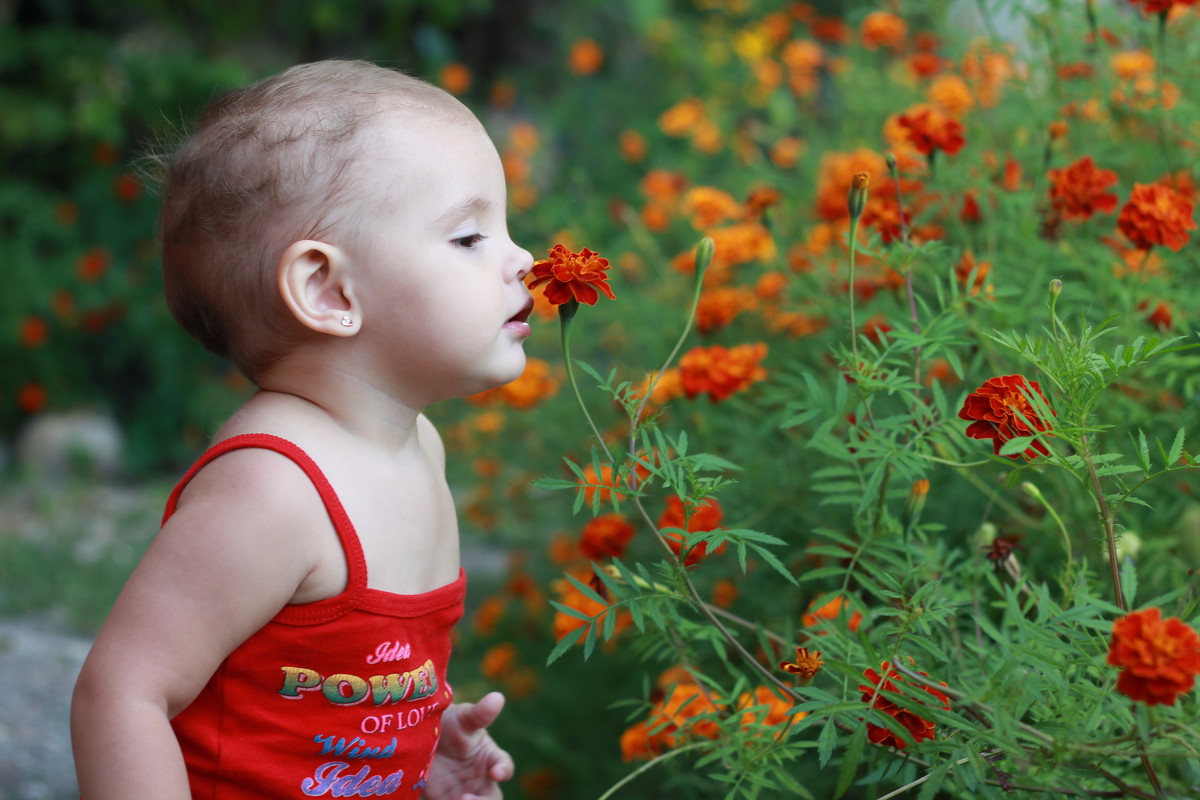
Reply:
x=1150, y=7
x=606, y=536
x=997, y=408
x=569, y=275
x=919, y=728
x=720, y=372
x=929, y=129
x=1156, y=214
x=1160, y=657
x=702, y=518
x=1078, y=190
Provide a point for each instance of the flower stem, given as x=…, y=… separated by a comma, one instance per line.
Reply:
x=1110, y=534
x=566, y=313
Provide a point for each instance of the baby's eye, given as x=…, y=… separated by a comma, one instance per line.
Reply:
x=468, y=241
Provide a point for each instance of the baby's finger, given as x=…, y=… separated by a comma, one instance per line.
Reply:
x=502, y=766
x=482, y=713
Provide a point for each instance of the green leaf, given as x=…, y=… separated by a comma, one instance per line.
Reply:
x=825, y=742
x=851, y=759
x=1016, y=445
x=1176, y=449
x=1129, y=581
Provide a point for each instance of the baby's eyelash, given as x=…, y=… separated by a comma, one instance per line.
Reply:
x=469, y=241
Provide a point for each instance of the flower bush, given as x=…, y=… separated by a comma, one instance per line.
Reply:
x=903, y=302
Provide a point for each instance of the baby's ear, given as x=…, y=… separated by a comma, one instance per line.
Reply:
x=315, y=286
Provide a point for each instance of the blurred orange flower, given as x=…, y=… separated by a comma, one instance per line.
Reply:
x=93, y=264
x=710, y=206
x=571, y=596
x=965, y=266
x=830, y=610
x=722, y=372
x=720, y=305
x=1078, y=190
x=455, y=78
x=950, y=93
x=891, y=681
x=930, y=130
x=536, y=383
x=703, y=518
x=33, y=332
x=1160, y=658
x=586, y=56
x=568, y=275
x=1156, y=214
x=31, y=397
x=882, y=29
x=633, y=146
x=606, y=536
x=683, y=117
x=764, y=706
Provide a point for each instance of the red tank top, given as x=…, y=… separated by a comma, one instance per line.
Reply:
x=337, y=698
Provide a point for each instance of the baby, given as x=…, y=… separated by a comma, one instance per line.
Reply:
x=339, y=232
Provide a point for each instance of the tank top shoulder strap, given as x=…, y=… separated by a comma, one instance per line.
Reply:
x=355, y=561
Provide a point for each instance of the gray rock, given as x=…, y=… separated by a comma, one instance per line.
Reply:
x=53, y=447
x=35, y=745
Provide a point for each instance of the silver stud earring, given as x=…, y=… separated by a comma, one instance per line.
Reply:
x=347, y=321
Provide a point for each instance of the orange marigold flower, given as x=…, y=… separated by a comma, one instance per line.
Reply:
x=702, y=518
x=836, y=171
x=1000, y=411
x=606, y=536
x=633, y=146
x=687, y=711
x=950, y=93
x=764, y=706
x=34, y=332
x=891, y=681
x=721, y=305
x=930, y=130
x=965, y=266
x=31, y=398
x=568, y=275
x=586, y=56
x=489, y=613
x=93, y=264
x=638, y=745
x=535, y=384
x=683, y=117
x=127, y=188
x=1078, y=190
x=721, y=372
x=785, y=153
x=1132, y=64
x=663, y=186
x=571, y=596
x=498, y=661
x=1156, y=214
x=760, y=199
x=725, y=593
x=806, y=665
x=455, y=78
x=818, y=613
x=1161, y=317
x=882, y=29
x=1160, y=658
x=710, y=206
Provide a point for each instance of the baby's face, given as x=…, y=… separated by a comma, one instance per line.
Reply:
x=443, y=298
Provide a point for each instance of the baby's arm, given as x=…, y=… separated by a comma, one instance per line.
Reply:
x=244, y=537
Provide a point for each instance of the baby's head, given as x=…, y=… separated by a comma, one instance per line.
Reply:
x=268, y=165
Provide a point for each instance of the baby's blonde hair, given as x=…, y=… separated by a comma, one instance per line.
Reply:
x=266, y=166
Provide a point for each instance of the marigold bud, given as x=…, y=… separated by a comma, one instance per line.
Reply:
x=858, y=194
x=1056, y=287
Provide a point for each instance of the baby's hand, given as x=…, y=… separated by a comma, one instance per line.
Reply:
x=468, y=764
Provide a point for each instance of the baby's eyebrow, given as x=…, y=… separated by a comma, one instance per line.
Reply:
x=475, y=205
